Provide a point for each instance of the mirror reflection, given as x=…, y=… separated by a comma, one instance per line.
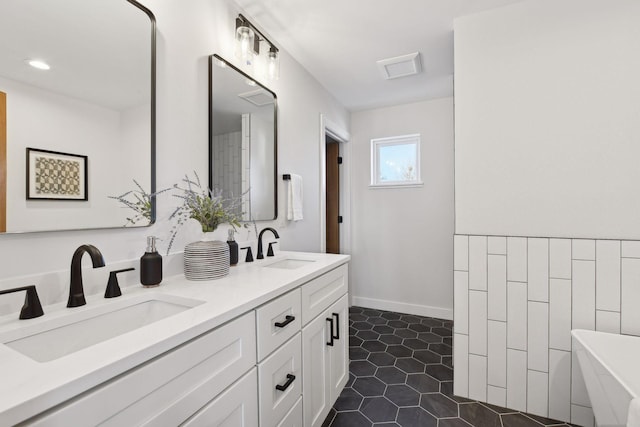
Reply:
x=77, y=124
x=242, y=140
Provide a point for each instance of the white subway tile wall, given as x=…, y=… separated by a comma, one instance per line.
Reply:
x=517, y=303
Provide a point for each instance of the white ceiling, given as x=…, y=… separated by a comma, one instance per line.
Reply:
x=339, y=42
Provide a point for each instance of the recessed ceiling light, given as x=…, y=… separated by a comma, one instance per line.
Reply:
x=40, y=65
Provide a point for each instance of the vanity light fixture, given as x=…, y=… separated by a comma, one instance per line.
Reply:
x=36, y=63
x=248, y=39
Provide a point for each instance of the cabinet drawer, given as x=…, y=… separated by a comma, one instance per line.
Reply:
x=277, y=321
x=280, y=370
x=321, y=292
x=236, y=407
x=294, y=417
x=168, y=389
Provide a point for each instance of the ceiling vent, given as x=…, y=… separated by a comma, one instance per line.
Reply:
x=258, y=97
x=400, y=66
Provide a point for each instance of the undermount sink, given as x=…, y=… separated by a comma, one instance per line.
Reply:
x=66, y=334
x=290, y=263
x=609, y=365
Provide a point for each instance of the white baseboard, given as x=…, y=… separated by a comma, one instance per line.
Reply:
x=403, y=307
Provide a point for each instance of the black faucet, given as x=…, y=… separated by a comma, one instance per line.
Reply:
x=275, y=233
x=76, y=291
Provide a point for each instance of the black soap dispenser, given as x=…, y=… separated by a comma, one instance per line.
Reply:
x=151, y=265
x=233, y=248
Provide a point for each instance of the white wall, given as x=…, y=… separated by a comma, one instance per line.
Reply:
x=548, y=120
x=402, y=237
x=188, y=32
x=547, y=131
x=45, y=120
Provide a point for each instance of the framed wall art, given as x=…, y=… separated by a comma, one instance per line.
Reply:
x=52, y=175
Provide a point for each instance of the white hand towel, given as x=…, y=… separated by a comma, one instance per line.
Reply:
x=294, y=208
x=633, y=417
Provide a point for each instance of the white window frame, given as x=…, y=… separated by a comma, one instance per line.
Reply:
x=377, y=143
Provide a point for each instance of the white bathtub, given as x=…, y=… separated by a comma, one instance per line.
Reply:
x=610, y=364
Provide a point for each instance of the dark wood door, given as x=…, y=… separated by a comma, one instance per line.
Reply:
x=333, y=197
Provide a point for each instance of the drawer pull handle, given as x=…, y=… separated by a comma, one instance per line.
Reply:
x=337, y=317
x=283, y=387
x=287, y=320
x=331, y=337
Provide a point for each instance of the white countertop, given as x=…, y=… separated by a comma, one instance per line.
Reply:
x=29, y=387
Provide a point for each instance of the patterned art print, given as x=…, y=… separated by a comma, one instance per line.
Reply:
x=56, y=176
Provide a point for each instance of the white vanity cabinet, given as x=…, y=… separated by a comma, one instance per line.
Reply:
x=282, y=363
x=325, y=345
x=168, y=389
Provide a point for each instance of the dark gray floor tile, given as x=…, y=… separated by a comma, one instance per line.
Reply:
x=499, y=409
x=410, y=318
x=415, y=344
x=355, y=309
x=443, y=332
x=349, y=400
x=381, y=358
x=369, y=386
x=362, y=368
x=423, y=383
x=390, y=316
x=430, y=321
x=383, y=329
x=386, y=425
x=391, y=339
x=399, y=351
x=358, y=353
x=379, y=409
x=362, y=326
x=368, y=335
x=415, y=417
x=370, y=312
x=518, y=420
x=406, y=333
x=478, y=415
x=448, y=341
x=419, y=327
x=545, y=421
x=377, y=321
x=391, y=375
x=430, y=337
x=427, y=356
x=350, y=381
x=402, y=395
x=442, y=349
x=357, y=317
x=447, y=361
x=355, y=341
x=398, y=324
x=440, y=372
x=350, y=419
x=410, y=365
x=374, y=345
x=452, y=422
x=439, y=405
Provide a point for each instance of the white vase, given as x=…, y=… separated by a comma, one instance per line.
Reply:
x=206, y=259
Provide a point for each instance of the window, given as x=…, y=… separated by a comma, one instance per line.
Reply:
x=395, y=161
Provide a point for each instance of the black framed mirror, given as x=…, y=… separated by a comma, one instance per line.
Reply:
x=91, y=102
x=243, y=141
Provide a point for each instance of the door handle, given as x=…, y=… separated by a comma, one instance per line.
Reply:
x=283, y=387
x=331, y=337
x=287, y=319
x=337, y=317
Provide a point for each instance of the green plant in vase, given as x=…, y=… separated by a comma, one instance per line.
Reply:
x=209, y=207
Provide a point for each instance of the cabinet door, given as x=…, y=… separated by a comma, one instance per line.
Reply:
x=316, y=402
x=235, y=407
x=339, y=358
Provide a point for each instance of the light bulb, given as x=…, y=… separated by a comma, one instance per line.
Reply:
x=244, y=44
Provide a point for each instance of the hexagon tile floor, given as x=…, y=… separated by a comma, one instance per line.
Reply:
x=401, y=375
